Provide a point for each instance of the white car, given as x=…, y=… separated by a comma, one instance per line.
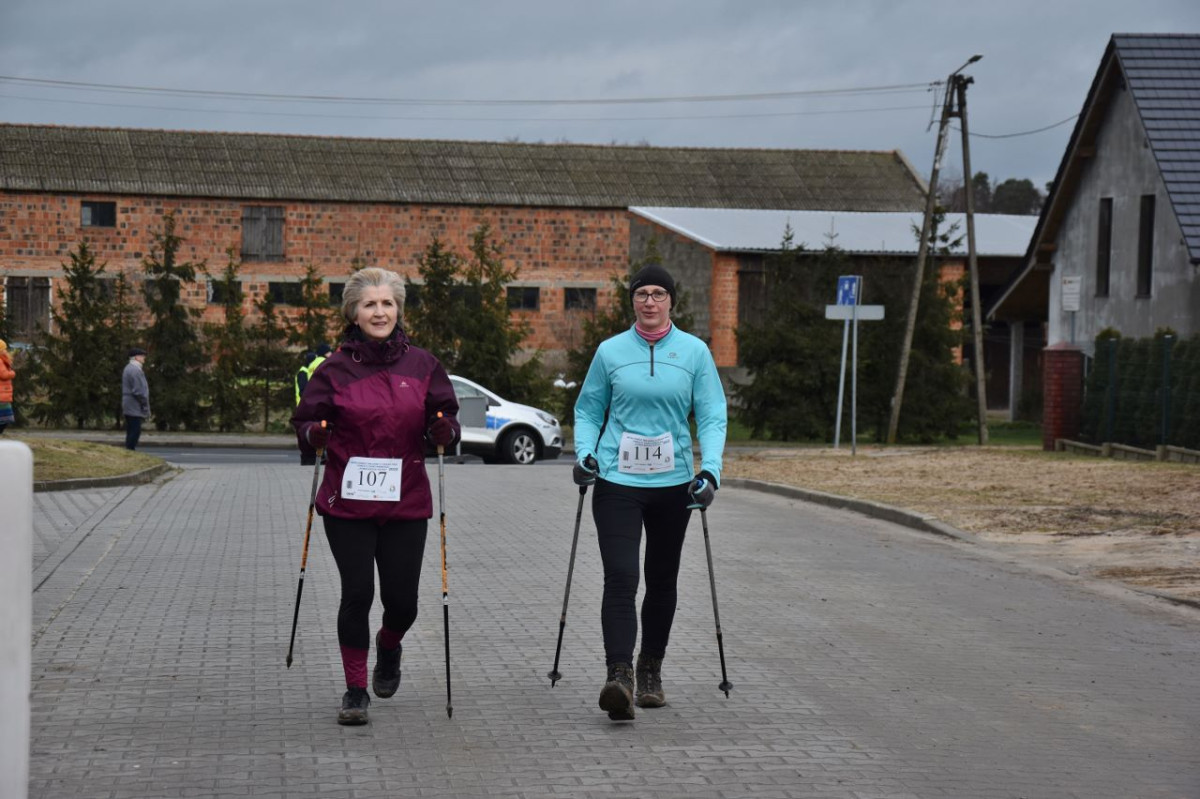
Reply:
x=496, y=429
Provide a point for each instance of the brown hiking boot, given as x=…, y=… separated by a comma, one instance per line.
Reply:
x=616, y=697
x=649, y=682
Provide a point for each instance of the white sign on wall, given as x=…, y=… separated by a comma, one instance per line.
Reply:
x=1071, y=287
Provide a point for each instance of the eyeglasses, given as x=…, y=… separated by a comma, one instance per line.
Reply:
x=645, y=296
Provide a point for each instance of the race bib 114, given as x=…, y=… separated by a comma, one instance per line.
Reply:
x=646, y=454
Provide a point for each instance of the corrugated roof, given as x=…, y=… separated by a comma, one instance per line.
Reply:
x=1163, y=75
x=895, y=233
x=276, y=167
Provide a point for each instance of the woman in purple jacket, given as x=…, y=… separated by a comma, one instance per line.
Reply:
x=380, y=398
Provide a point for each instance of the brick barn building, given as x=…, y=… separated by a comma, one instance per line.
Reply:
x=282, y=203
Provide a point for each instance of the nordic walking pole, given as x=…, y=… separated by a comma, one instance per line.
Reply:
x=312, y=504
x=725, y=685
x=554, y=674
x=445, y=585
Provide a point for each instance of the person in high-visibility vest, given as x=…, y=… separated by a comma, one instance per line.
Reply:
x=311, y=361
x=302, y=374
x=305, y=373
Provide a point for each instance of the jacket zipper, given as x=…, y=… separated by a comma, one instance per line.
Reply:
x=651, y=343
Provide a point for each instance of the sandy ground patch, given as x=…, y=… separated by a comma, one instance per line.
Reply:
x=1135, y=522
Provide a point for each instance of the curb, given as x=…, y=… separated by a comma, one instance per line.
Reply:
x=132, y=478
x=232, y=443
x=877, y=510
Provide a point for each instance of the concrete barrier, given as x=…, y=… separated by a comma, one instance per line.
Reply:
x=16, y=604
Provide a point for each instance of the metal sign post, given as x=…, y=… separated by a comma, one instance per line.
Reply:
x=848, y=309
x=847, y=295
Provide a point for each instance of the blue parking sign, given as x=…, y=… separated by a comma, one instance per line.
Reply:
x=848, y=289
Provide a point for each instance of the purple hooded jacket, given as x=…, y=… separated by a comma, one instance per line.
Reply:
x=379, y=399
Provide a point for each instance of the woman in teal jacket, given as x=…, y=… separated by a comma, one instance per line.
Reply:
x=633, y=441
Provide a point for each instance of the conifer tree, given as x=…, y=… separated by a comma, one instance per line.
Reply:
x=793, y=354
x=310, y=328
x=124, y=314
x=460, y=313
x=270, y=362
x=228, y=345
x=936, y=403
x=792, y=351
x=490, y=336
x=81, y=361
x=434, y=306
x=175, y=367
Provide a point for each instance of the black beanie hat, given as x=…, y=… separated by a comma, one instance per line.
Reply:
x=653, y=275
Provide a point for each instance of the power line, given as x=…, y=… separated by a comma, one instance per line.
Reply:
x=860, y=91
x=317, y=98
x=471, y=118
x=1024, y=132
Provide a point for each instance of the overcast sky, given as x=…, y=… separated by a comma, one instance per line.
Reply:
x=1039, y=59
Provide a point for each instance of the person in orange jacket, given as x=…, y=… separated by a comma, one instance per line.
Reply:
x=7, y=373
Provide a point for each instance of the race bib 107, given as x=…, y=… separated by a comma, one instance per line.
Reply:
x=372, y=479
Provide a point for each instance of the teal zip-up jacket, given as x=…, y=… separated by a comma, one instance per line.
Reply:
x=648, y=390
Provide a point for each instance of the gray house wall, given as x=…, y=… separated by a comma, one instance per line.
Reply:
x=1124, y=169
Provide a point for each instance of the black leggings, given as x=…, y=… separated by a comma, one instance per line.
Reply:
x=398, y=548
x=620, y=511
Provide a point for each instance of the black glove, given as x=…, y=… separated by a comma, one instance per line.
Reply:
x=441, y=432
x=703, y=490
x=317, y=436
x=585, y=471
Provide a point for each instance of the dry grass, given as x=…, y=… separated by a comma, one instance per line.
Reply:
x=1134, y=522
x=58, y=459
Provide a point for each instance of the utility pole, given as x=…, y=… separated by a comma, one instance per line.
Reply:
x=960, y=85
x=923, y=251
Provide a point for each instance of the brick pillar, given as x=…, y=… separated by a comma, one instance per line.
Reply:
x=1062, y=384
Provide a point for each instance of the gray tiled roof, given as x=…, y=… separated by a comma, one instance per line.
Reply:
x=1163, y=75
x=276, y=167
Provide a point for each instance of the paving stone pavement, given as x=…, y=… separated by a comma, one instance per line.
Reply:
x=64, y=514
x=868, y=661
